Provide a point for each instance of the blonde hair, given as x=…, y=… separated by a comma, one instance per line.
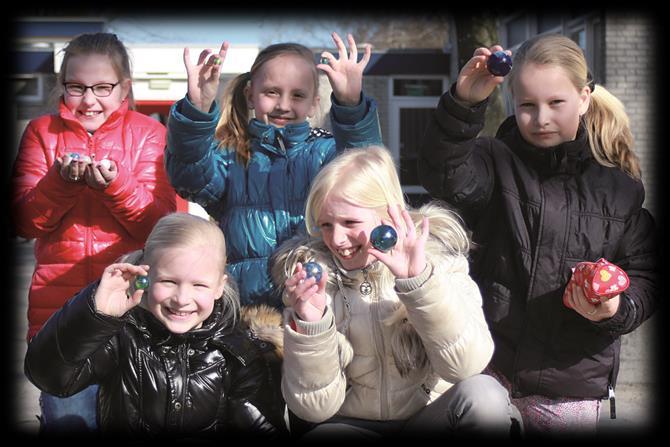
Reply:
x=187, y=230
x=606, y=121
x=106, y=44
x=232, y=127
x=367, y=177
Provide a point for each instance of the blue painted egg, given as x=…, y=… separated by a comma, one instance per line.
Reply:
x=499, y=63
x=383, y=237
x=313, y=269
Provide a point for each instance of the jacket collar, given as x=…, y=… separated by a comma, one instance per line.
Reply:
x=148, y=324
x=277, y=140
x=114, y=120
x=564, y=158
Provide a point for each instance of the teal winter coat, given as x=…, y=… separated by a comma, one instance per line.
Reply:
x=261, y=205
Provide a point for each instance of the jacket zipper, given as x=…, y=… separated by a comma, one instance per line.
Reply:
x=90, y=146
x=612, y=399
x=378, y=339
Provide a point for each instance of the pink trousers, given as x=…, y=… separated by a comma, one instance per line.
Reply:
x=544, y=415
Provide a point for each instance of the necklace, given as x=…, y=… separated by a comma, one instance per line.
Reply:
x=365, y=287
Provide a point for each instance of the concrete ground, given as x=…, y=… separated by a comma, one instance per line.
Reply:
x=635, y=392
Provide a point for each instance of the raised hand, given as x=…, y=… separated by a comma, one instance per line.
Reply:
x=203, y=77
x=346, y=72
x=305, y=295
x=475, y=83
x=111, y=296
x=408, y=257
x=580, y=304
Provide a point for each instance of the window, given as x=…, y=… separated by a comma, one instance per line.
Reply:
x=583, y=27
x=412, y=125
x=28, y=87
x=417, y=87
x=517, y=31
x=411, y=105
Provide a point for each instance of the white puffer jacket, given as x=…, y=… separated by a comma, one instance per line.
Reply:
x=386, y=355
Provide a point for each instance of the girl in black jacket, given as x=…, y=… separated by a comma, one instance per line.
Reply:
x=559, y=184
x=172, y=359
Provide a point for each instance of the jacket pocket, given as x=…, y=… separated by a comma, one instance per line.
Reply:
x=499, y=309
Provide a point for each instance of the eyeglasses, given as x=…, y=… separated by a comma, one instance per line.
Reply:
x=101, y=90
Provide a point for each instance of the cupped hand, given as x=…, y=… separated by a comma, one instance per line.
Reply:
x=72, y=169
x=99, y=175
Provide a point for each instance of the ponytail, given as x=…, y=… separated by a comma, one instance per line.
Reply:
x=609, y=133
x=232, y=127
x=607, y=124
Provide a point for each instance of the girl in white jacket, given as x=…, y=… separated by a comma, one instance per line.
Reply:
x=385, y=343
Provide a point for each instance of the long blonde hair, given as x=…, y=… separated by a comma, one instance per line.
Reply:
x=368, y=178
x=606, y=121
x=232, y=127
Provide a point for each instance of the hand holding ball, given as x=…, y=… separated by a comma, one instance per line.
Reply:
x=499, y=63
x=313, y=269
x=383, y=237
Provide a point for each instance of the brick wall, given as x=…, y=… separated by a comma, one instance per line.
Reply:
x=630, y=64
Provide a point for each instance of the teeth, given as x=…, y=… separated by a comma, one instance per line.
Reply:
x=91, y=113
x=346, y=251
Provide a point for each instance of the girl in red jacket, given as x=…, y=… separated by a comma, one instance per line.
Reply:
x=88, y=186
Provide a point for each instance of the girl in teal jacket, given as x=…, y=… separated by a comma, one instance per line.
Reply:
x=252, y=173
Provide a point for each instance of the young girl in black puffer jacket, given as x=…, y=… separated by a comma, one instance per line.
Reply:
x=558, y=185
x=174, y=359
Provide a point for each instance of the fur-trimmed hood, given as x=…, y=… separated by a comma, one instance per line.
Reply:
x=265, y=323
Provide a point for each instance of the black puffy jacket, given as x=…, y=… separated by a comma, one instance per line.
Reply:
x=209, y=380
x=534, y=214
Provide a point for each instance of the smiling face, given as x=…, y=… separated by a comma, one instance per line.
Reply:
x=91, y=69
x=345, y=229
x=284, y=90
x=185, y=283
x=547, y=105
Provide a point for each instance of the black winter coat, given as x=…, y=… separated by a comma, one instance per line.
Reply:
x=534, y=214
x=152, y=382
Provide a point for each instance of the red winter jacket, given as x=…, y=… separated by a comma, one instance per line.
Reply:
x=79, y=230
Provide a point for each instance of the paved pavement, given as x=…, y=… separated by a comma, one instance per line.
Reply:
x=636, y=388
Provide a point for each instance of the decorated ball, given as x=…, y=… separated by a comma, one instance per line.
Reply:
x=313, y=269
x=141, y=282
x=383, y=237
x=499, y=63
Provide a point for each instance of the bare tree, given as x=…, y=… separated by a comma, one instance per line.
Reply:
x=386, y=32
x=473, y=31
